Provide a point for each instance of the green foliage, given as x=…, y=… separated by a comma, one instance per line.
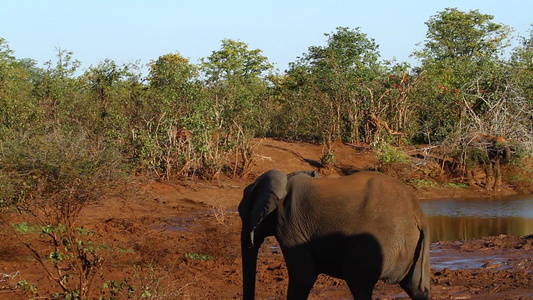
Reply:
x=72, y=264
x=197, y=256
x=114, y=289
x=389, y=154
x=457, y=185
x=25, y=228
x=186, y=119
x=235, y=62
x=423, y=183
x=520, y=85
x=235, y=80
x=333, y=81
x=28, y=287
x=174, y=84
x=17, y=107
x=463, y=79
x=522, y=178
x=105, y=85
x=56, y=86
x=328, y=158
x=128, y=250
x=453, y=34
x=471, y=157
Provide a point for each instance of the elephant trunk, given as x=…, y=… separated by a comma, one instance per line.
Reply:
x=249, y=265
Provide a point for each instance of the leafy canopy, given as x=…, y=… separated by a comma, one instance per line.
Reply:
x=235, y=61
x=455, y=34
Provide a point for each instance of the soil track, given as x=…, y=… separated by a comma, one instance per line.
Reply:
x=180, y=240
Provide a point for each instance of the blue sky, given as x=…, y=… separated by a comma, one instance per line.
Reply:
x=127, y=31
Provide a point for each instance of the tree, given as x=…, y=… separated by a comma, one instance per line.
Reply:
x=17, y=105
x=522, y=66
x=349, y=53
x=460, y=65
x=234, y=97
x=520, y=91
x=453, y=34
x=57, y=83
x=161, y=114
x=236, y=81
x=337, y=77
x=173, y=76
x=107, y=89
x=235, y=62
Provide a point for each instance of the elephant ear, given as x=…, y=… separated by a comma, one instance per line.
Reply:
x=261, y=198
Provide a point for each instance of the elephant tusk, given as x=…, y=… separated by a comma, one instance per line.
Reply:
x=252, y=239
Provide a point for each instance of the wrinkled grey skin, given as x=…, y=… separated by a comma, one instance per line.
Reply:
x=360, y=228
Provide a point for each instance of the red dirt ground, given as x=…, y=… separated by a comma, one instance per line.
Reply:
x=180, y=240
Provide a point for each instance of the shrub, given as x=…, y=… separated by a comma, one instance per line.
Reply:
x=49, y=177
x=423, y=183
x=387, y=153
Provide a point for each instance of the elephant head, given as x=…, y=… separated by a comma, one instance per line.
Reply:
x=260, y=199
x=257, y=209
x=361, y=228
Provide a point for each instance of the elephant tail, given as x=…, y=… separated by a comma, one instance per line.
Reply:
x=417, y=281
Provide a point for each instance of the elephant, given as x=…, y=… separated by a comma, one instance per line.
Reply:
x=362, y=228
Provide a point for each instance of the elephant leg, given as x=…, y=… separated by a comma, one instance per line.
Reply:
x=302, y=273
x=417, y=281
x=300, y=286
x=249, y=268
x=361, y=289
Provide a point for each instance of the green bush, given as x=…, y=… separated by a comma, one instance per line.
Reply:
x=423, y=183
x=389, y=154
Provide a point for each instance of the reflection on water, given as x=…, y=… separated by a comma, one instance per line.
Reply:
x=444, y=228
x=454, y=219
